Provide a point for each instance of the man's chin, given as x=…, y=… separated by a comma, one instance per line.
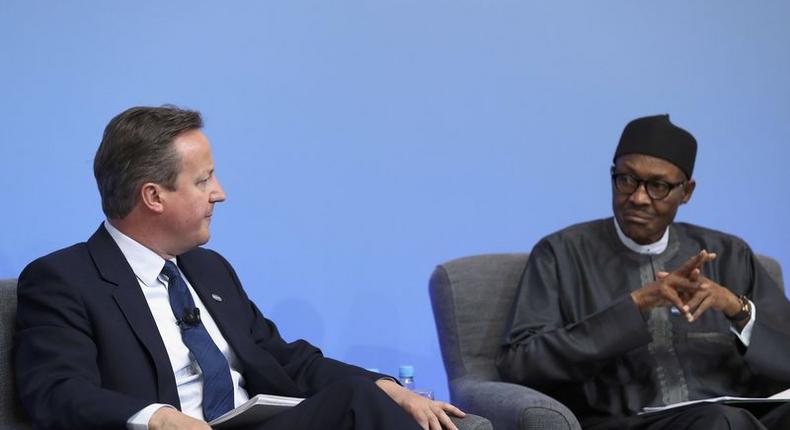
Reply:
x=637, y=230
x=639, y=234
x=201, y=239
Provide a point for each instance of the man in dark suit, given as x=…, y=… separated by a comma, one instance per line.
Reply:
x=139, y=327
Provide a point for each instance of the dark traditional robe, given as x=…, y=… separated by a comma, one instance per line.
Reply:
x=576, y=334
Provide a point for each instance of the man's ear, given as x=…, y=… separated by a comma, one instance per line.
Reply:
x=688, y=190
x=151, y=197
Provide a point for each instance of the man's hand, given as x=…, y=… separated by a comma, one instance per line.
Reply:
x=674, y=289
x=712, y=295
x=172, y=419
x=429, y=414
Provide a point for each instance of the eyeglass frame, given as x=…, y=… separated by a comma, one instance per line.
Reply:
x=646, y=182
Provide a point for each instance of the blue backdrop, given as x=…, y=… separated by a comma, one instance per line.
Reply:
x=363, y=142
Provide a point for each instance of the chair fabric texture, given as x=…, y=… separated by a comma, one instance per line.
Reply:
x=774, y=269
x=12, y=417
x=471, y=299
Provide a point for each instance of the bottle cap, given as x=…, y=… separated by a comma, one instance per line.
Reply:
x=406, y=372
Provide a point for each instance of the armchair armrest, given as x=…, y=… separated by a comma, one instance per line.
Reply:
x=472, y=422
x=511, y=406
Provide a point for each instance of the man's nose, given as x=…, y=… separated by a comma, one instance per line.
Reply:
x=218, y=195
x=640, y=196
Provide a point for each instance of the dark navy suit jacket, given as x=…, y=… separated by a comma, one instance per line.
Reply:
x=89, y=355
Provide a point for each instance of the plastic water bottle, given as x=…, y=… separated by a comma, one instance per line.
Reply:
x=406, y=376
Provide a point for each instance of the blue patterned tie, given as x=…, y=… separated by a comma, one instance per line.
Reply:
x=217, y=384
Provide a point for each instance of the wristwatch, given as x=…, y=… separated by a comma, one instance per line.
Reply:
x=746, y=310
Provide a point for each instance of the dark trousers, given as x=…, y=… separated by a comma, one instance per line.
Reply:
x=351, y=404
x=765, y=416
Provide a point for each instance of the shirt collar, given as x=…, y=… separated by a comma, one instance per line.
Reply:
x=650, y=249
x=145, y=263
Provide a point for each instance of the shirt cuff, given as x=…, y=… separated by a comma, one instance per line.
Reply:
x=139, y=421
x=745, y=335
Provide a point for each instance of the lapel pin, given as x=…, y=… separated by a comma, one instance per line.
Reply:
x=216, y=297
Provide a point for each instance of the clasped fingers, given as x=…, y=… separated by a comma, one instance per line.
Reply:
x=695, y=263
x=711, y=296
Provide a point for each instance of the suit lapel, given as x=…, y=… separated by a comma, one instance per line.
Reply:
x=211, y=291
x=258, y=364
x=113, y=267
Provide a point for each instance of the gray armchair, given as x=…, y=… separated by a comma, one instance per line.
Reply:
x=12, y=417
x=471, y=299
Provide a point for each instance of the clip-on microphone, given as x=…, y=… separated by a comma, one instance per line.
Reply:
x=191, y=318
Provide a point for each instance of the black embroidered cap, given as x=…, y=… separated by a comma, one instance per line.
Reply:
x=658, y=137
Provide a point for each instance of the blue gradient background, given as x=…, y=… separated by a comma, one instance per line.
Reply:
x=363, y=142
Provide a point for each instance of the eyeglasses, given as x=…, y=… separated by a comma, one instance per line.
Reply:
x=656, y=189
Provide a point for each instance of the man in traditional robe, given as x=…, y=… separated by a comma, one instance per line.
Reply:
x=636, y=311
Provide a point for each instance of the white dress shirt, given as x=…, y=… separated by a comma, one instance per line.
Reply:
x=745, y=335
x=147, y=266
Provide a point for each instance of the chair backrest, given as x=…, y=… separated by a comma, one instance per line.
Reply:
x=12, y=417
x=471, y=299
x=773, y=268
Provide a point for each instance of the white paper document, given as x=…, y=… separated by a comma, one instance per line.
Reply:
x=256, y=410
x=783, y=396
